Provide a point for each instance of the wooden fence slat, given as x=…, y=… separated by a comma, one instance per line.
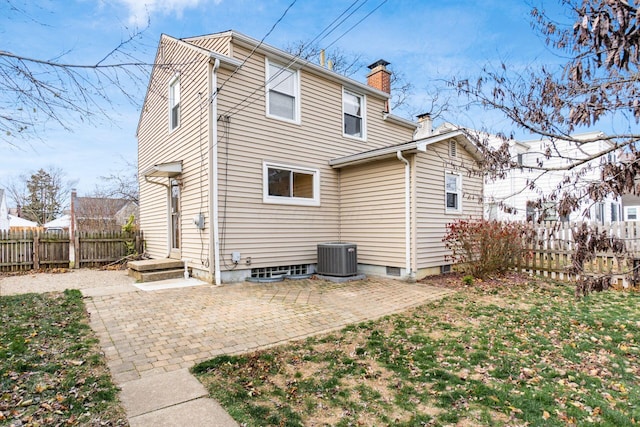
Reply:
x=25, y=250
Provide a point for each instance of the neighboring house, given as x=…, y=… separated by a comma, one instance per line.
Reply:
x=4, y=211
x=630, y=207
x=17, y=223
x=514, y=190
x=59, y=224
x=101, y=213
x=250, y=157
x=630, y=202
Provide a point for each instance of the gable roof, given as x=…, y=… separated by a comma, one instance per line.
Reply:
x=292, y=61
x=63, y=222
x=224, y=61
x=98, y=207
x=15, y=221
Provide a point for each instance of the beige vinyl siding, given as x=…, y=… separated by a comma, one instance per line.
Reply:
x=372, y=211
x=272, y=234
x=216, y=42
x=431, y=216
x=187, y=143
x=269, y=234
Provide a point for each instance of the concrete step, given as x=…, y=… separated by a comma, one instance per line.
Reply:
x=153, y=276
x=155, y=264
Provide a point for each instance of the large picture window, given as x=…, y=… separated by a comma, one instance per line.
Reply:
x=282, y=92
x=453, y=193
x=174, y=103
x=291, y=185
x=353, y=107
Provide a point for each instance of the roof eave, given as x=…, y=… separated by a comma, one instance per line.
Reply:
x=297, y=62
x=400, y=121
x=406, y=148
x=164, y=170
x=369, y=156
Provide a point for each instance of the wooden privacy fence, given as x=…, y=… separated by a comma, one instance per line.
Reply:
x=32, y=250
x=550, y=254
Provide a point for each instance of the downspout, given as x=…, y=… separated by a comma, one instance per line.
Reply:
x=407, y=214
x=214, y=230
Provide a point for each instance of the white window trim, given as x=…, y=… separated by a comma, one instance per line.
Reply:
x=626, y=213
x=459, y=192
x=364, y=115
x=173, y=80
x=298, y=201
x=296, y=89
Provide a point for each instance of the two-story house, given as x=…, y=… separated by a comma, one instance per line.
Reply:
x=525, y=184
x=250, y=157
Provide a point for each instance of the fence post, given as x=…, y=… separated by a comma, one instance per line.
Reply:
x=77, y=249
x=36, y=251
x=72, y=252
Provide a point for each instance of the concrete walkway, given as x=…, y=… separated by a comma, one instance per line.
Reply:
x=151, y=338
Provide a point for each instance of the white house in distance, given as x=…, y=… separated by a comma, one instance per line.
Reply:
x=17, y=223
x=514, y=191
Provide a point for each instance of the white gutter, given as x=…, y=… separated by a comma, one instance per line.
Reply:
x=214, y=230
x=407, y=214
x=399, y=120
x=367, y=156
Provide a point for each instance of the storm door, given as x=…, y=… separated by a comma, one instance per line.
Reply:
x=174, y=209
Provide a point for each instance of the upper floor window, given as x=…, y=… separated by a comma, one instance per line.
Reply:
x=291, y=185
x=174, y=103
x=631, y=213
x=283, y=97
x=453, y=192
x=353, y=107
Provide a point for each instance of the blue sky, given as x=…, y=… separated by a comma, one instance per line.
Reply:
x=427, y=41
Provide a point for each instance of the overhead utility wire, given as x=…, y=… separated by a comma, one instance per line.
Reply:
x=256, y=47
x=356, y=24
x=340, y=23
x=230, y=112
x=237, y=107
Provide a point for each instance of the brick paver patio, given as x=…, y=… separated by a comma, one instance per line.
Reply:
x=146, y=333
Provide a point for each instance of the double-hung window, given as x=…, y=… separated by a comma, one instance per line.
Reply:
x=453, y=192
x=291, y=185
x=353, y=107
x=631, y=213
x=614, y=212
x=174, y=103
x=283, y=98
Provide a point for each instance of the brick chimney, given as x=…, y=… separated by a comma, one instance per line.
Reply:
x=379, y=77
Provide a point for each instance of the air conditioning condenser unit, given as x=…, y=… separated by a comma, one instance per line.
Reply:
x=338, y=259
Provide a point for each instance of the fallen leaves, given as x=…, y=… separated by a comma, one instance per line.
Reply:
x=45, y=378
x=523, y=351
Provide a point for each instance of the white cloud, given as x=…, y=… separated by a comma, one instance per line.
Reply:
x=141, y=10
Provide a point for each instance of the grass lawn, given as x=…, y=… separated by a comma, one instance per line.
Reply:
x=510, y=352
x=51, y=369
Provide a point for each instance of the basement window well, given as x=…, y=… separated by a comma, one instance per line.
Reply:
x=280, y=272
